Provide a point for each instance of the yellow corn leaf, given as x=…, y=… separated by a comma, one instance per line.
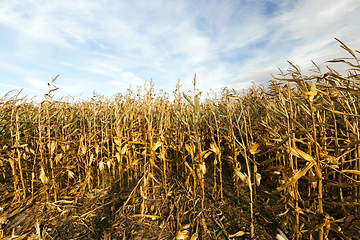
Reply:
x=351, y=171
x=214, y=148
x=58, y=157
x=154, y=178
x=91, y=159
x=117, y=155
x=43, y=176
x=71, y=174
x=189, y=149
x=188, y=166
x=183, y=235
x=153, y=163
x=203, y=168
x=194, y=236
x=300, y=154
x=108, y=163
x=258, y=179
x=296, y=177
x=253, y=149
x=281, y=235
x=101, y=166
x=83, y=149
x=97, y=148
x=238, y=234
x=312, y=93
x=242, y=176
x=205, y=154
x=142, y=193
x=116, y=140
x=157, y=145
x=124, y=149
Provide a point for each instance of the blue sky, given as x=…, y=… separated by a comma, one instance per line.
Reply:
x=107, y=46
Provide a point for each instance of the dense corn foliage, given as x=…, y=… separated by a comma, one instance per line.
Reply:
x=301, y=135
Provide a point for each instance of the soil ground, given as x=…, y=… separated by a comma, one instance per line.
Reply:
x=168, y=213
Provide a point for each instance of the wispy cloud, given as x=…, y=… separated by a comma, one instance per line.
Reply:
x=109, y=45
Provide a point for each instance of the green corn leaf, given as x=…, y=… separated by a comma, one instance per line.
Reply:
x=241, y=112
x=191, y=121
x=303, y=106
x=188, y=99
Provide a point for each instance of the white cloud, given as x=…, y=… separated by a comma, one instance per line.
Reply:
x=108, y=45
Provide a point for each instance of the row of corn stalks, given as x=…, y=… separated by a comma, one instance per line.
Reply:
x=301, y=134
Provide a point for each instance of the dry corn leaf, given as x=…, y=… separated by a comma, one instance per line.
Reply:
x=101, y=166
x=43, y=176
x=58, y=158
x=258, y=179
x=238, y=234
x=157, y=145
x=182, y=235
x=214, y=148
x=281, y=235
x=242, y=176
x=296, y=177
x=300, y=154
x=205, y=154
x=71, y=174
x=351, y=171
x=253, y=149
x=203, y=168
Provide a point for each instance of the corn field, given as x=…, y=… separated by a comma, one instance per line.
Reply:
x=106, y=168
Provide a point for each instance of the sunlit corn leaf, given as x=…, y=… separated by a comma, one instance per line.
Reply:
x=351, y=171
x=91, y=159
x=258, y=179
x=71, y=174
x=342, y=113
x=52, y=146
x=194, y=236
x=142, y=193
x=183, y=235
x=58, y=157
x=203, y=168
x=242, y=176
x=97, y=148
x=253, y=148
x=188, y=166
x=153, y=163
x=43, y=176
x=312, y=92
x=214, y=148
x=296, y=177
x=151, y=176
x=205, y=154
x=330, y=159
x=117, y=142
x=108, y=163
x=238, y=234
x=186, y=226
x=300, y=154
x=157, y=145
x=281, y=235
x=83, y=149
x=124, y=149
x=101, y=166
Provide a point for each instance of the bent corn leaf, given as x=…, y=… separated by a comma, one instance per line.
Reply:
x=296, y=177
